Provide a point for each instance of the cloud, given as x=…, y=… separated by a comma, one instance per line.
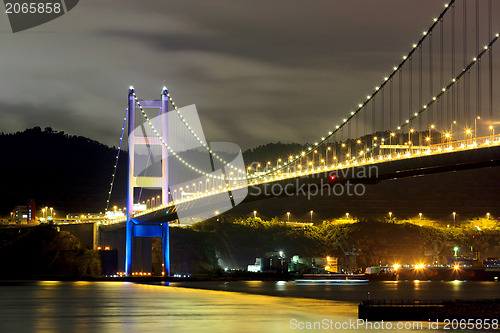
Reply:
x=258, y=71
x=22, y=116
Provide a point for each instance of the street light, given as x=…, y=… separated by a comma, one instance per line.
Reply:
x=454, y=217
x=487, y=216
x=390, y=215
x=254, y=214
x=347, y=215
x=288, y=216
x=311, y=216
x=374, y=145
x=420, y=216
x=448, y=136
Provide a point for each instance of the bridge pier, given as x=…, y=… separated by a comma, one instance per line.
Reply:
x=166, y=248
x=129, y=242
x=146, y=230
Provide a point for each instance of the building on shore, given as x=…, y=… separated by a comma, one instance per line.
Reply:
x=25, y=213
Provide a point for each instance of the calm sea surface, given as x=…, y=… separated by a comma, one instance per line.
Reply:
x=253, y=306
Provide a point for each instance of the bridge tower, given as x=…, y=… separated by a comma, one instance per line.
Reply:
x=139, y=135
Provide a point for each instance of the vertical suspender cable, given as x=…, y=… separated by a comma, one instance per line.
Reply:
x=348, y=130
x=390, y=104
x=478, y=68
x=400, y=91
x=373, y=117
x=453, y=92
x=420, y=56
x=441, y=68
x=430, y=116
x=365, y=121
x=382, y=119
x=410, y=90
x=117, y=159
x=356, y=127
x=490, y=62
x=464, y=56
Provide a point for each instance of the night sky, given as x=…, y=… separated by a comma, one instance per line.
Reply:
x=258, y=71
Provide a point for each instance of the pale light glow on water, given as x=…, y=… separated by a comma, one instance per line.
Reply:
x=83, y=307
x=352, y=292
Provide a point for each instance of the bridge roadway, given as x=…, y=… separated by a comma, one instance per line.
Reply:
x=380, y=169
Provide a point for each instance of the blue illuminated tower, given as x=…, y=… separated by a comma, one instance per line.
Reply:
x=134, y=227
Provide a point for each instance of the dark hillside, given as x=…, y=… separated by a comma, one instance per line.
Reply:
x=69, y=173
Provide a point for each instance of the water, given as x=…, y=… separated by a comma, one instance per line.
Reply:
x=128, y=307
x=356, y=292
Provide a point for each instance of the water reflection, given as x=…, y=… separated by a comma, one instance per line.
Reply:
x=127, y=307
x=354, y=292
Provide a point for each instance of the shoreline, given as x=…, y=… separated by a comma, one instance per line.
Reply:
x=406, y=274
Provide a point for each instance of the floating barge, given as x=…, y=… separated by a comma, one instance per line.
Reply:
x=415, y=310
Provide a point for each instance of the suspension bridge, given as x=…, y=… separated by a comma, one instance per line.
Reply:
x=434, y=111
